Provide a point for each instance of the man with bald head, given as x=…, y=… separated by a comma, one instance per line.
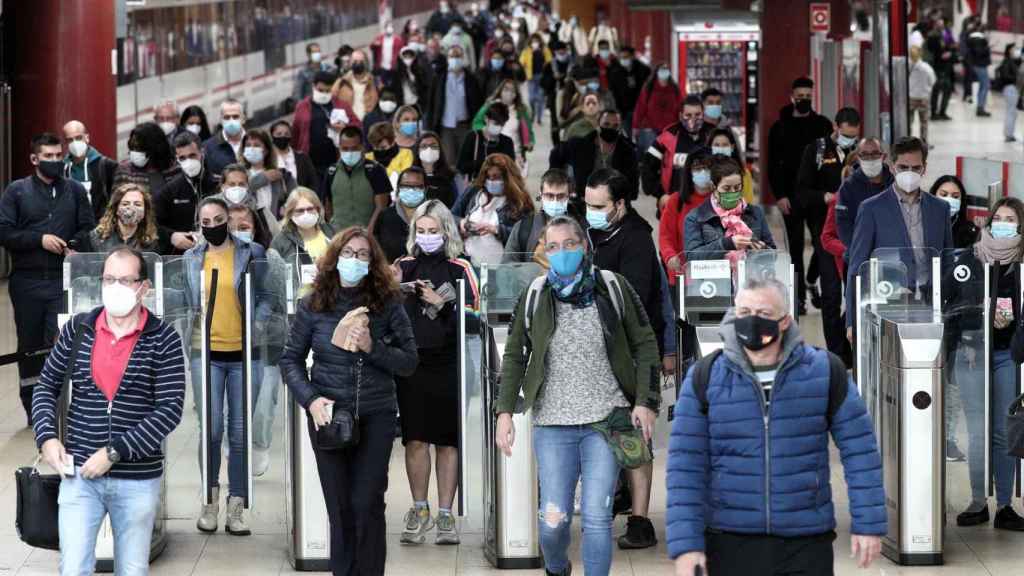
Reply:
x=870, y=178
x=87, y=166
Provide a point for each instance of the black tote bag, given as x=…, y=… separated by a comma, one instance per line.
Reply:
x=36, y=518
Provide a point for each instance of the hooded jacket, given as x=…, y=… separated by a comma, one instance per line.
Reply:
x=741, y=467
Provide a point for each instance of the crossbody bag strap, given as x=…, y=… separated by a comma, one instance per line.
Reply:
x=359, y=383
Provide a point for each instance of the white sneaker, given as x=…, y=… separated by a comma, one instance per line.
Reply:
x=237, y=524
x=417, y=524
x=210, y=514
x=260, y=462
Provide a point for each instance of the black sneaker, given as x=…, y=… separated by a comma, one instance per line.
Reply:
x=815, y=294
x=1007, y=519
x=568, y=571
x=953, y=453
x=967, y=518
x=639, y=534
x=983, y=114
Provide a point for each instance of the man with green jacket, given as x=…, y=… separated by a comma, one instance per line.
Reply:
x=582, y=352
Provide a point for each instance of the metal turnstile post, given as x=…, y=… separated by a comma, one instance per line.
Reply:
x=309, y=530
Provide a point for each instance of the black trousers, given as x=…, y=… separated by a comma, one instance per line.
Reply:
x=833, y=322
x=756, y=555
x=795, y=235
x=940, y=94
x=354, y=483
x=36, y=303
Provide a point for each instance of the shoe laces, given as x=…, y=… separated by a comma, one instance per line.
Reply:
x=235, y=510
x=445, y=522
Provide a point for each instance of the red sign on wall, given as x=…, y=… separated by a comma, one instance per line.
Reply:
x=821, y=17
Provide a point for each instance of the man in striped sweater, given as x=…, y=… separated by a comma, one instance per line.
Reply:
x=126, y=374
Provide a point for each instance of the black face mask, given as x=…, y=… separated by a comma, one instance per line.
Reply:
x=216, y=235
x=755, y=333
x=51, y=169
x=282, y=142
x=358, y=68
x=802, y=106
x=609, y=135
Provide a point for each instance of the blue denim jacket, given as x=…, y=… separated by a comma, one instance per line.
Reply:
x=705, y=236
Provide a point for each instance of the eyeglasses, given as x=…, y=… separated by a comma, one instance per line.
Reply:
x=301, y=211
x=125, y=281
x=363, y=255
x=871, y=156
x=569, y=245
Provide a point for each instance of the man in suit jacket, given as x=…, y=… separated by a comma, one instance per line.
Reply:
x=901, y=217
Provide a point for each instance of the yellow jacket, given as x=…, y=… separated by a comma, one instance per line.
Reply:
x=398, y=164
x=526, y=60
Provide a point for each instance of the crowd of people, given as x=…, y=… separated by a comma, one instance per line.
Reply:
x=405, y=169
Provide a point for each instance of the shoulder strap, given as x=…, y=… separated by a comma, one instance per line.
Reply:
x=838, y=384
x=532, y=296
x=701, y=377
x=612, y=282
x=78, y=321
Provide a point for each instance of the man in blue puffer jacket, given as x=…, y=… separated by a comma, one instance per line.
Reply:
x=748, y=467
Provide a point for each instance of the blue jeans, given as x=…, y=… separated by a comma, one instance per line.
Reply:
x=981, y=73
x=564, y=454
x=1004, y=384
x=225, y=380
x=537, y=100
x=266, y=408
x=83, y=503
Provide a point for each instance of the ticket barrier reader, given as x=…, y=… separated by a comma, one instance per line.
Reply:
x=920, y=321
x=511, y=494
x=83, y=292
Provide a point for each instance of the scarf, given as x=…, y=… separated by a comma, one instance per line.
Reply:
x=732, y=221
x=578, y=290
x=1002, y=250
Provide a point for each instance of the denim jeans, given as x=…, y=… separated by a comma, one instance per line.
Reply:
x=1004, y=384
x=1010, y=95
x=537, y=100
x=226, y=381
x=132, y=506
x=981, y=73
x=565, y=455
x=266, y=408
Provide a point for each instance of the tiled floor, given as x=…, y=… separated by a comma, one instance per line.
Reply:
x=968, y=552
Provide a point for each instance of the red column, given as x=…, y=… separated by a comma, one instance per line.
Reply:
x=785, y=38
x=62, y=71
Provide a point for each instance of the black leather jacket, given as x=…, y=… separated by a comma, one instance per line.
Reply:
x=334, y=371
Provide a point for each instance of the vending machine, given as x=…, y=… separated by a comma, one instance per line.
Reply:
x=723, y=56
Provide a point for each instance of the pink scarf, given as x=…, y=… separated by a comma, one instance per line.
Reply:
x=732, y=221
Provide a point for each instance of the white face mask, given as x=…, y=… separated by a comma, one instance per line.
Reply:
x=168, y=127
x=138, y=159
x=191, y=167
x=305, y=220
x=78, y=148
x=316, y=56
x=388, y=106
x=118, y=300
x=908, y=181
x=235, y=194
x=194, y=128
x=429, y=155
x=321, y=97
x=871, y=168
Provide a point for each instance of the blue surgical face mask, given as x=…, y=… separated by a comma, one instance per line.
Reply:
x=1004, y=230
x=565, y=263
x=954, y=204
x=701, y=178
x=243, y=235
x=495, y=187
x=409, y=128
x=713, y=111
x=593, y=86
x=721, y=150
x=664, y=74
x=232, y=127
x=846, y=142
x=411, y=197
x=352, y=270
x=597, y=219
x=351, y=157
x=497, y=63
x=554, y=208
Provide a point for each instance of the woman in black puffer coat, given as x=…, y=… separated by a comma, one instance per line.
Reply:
x=353, y=273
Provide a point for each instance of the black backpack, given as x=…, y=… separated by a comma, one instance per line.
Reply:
x=836, y=391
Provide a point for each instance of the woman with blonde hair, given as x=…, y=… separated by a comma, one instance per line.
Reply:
x=489, y=209
x=429, y=399
x=406, y=123
x=129, y=220
x=305, y=234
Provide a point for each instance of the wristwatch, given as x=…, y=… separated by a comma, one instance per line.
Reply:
x=112, y=455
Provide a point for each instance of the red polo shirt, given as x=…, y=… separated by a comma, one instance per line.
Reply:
x=110, y=354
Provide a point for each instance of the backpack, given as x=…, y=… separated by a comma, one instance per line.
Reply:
x=607, y=276
x=836, y=391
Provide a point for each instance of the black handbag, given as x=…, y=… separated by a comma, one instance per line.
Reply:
x=36, y=518
x=342, y=432
x=1015, y=429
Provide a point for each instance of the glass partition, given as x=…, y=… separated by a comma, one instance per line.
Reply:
x=919, y=285
x=880, y=287
x=82, y=286
x=501, y=285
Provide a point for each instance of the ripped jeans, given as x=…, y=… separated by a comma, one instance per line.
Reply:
x=564, y=454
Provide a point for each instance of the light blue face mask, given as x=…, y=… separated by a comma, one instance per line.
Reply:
x=497, y=63
x=232, y=127
x=351, y=157
x=409, y=128
x=1004, y=230
x=846, y=142
x=352, y=270
x=495, y=187
x=954, y=204
x=593, y=86
x=554, y=208
x=721, y=150
x=596, y=219
x=664, y=75
x=713, y=111
x=701, y=178
x=411, y=197
x=565, y=263
x=243, y=235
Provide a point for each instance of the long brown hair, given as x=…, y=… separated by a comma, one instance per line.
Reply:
x=515, y=187
x=377, y=289
x=145, y=232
